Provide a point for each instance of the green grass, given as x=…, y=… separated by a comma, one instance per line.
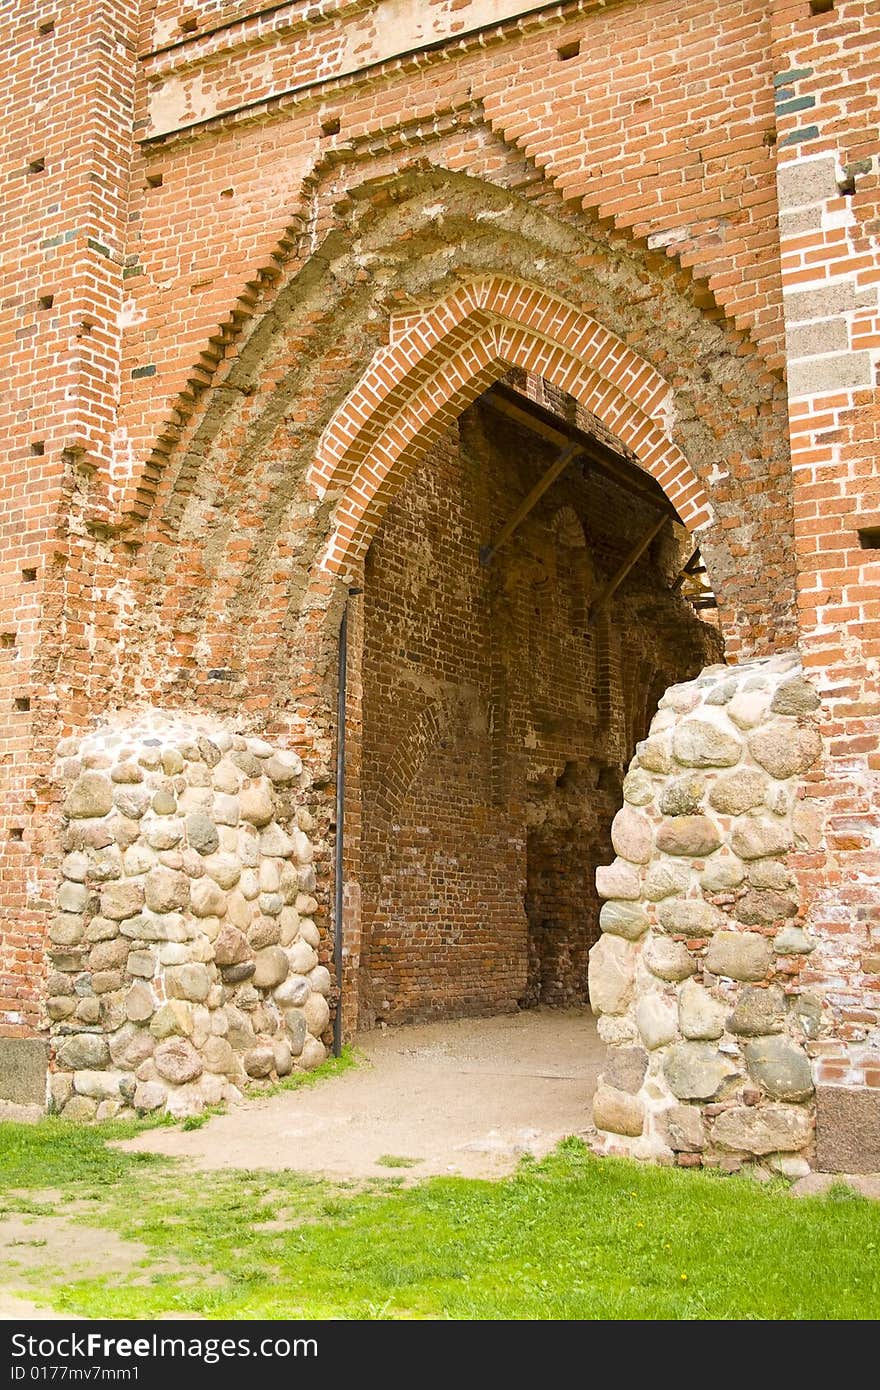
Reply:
x=397, y=1161
x=571, y=1237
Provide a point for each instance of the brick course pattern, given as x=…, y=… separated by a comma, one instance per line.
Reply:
x=258, y=261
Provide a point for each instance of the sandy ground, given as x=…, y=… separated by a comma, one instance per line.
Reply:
x=468, y=1097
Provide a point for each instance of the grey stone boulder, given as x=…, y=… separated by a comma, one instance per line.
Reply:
x=638, y=788
x=793, y=941
x=739, y=955
x=683, y=1128
x=131, y=1046
x=259, y=1062
x=691, y=917
x=697, y=743
x=294, y=991
x=201, y=833
x=758, y=1012
x=191, y=981
x=760, y=837
x=654, y=755
x=762, y=1130
x=90, y=796
x=297, y=1029
x=97, y=1085
x=762, y=906
x=683, y=797
x=120, y=900
x=623, y=919
x=795, y=696
x=662, y=880
x=696, y=1070
x=780, y=1067
x=722, y=874
x=84, y=1051
x=257, y=807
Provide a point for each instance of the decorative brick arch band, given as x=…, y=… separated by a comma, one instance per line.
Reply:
x=440, y=359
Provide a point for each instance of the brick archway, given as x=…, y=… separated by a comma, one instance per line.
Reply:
x=439, y=359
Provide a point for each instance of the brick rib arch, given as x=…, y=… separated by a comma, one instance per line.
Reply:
x=439, y=360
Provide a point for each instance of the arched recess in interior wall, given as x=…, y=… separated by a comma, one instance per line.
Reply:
x=425, y=287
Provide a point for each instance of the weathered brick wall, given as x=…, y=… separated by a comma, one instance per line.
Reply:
x=496, y=721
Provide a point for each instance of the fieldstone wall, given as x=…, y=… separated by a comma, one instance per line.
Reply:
x=696, y=976
x=185, y=959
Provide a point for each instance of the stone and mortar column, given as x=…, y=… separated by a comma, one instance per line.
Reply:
x=185, y=959
x=698, y=976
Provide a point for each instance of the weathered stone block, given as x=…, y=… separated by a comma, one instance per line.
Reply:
x=847, y=1130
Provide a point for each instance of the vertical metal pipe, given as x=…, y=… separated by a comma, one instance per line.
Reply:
x=340, y=825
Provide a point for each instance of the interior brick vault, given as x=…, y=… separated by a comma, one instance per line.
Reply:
x=297, y=315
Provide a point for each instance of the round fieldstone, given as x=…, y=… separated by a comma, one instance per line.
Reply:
x=275, y=843
x=747, y=709
x=738, y=792
x=759, y=837
x=122, y=899
x=638, y=788
x=126, y=772
x=618, y=880
x=662, y=880
x=695, y=1070
x=259, y=1061
x=700, y=1017
x=163, y=835
x=759, y=907
x=785, y=750
x=691, y=917
x=793, y=941
x=231, y=947
x=611, y=973
x=131, y=1046
x=166, y=890
x=616, y=1112
x=67, y=929
x=283, y=1053
x=739, y=955
x=769, y=873
x=201, y=833
x=90, y=796
x=84, y=1051
x=173, y=1019
x=218, y=1055
x=177, y=1061
x=309, y=933
x=321, y=980
x=224, y=869
x=684, y=1129
x=73, y=897
x=302, y=957
x=317, y=1014
x=312, y=1055
x=780, y=1067
x=237, y=974
x=140, y=1003
x=684, y=796
x=623, y=919
x=656, y=1020
x=297, y=1030
x=758, y=1012
x=655, y=755
x=272, y=967
x=264, y=931
x=132, y=801
x=632, y=836
x=294, y=991
x=283, y=768
x=207, y=898
x=75, y=866
x=795, y=696
x=722, y=874
x=108, y=955
x=669, y=960
x=149, y=1096
x=303, y=849
x=770, y=1129
x=697, y=743
x=255, y=802
x=97, y=1085
x=695, y=836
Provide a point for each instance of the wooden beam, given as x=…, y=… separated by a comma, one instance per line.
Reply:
x=607, y=592
x=540, y=421
x=488, y=552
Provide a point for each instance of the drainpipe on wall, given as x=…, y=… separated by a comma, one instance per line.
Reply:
x=340, y=820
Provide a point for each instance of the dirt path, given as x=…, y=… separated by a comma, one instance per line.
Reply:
x=467, y=1097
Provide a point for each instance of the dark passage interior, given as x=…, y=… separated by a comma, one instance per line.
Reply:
x=502, y=703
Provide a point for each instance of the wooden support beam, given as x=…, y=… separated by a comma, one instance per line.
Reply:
x=488, y=552
x=608, y=590
x=596, y=455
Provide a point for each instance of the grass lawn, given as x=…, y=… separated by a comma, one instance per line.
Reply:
x=572, y=1237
